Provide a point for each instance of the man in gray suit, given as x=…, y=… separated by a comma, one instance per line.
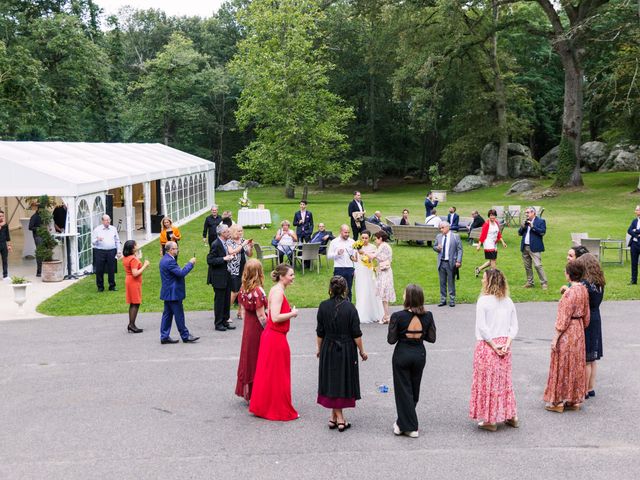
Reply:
x=449, y=249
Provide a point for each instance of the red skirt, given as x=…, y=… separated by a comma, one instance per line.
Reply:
x=492, y=396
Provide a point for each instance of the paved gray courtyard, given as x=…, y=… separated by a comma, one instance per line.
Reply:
x=82, y=399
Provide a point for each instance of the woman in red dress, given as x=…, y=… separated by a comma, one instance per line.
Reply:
x=133, y=269
x=253, y=300
x=271, y=395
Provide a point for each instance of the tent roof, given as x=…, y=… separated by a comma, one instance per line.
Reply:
x=76, y=168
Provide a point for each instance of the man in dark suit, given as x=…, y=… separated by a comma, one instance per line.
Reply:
x=429, y=204
x=220, y=279
x=449, y=249
x=477, y=222
x=453, y=218
x=210, y=224
x=356, y=214
x=532, y=246
x=376, y=219
x=173, y=292
x=323, y=237
x=634, y=245
x=303, y=220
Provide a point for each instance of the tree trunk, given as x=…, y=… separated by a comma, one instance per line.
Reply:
x=423, y=156
x=305, y=192
x=502, y=170
x=573, y=111
x=321, y=183
x=289, y=191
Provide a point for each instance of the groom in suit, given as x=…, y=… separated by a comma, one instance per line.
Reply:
x=449, y=249
x=220, y=279
x=173, y=293
x=634, y=245
x=303, y=220
x=356, y=206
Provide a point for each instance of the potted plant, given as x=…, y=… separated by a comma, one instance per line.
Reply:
x=20, y=285
x=52, y=270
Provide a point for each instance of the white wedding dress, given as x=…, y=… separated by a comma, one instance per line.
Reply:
x=368, y=304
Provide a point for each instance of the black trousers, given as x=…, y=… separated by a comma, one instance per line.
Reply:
x=38, y=242
x=409, y=358
x=635, y=253
x=4, y=252
x=222, y=305
x=105, y=261
x=347, y=274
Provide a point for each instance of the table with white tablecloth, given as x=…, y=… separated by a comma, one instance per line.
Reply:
x=254, y=216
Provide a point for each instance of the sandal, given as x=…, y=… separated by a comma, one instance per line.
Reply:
x=343, y=426
x=513, y=422
x=333, y=424
x=477, y=272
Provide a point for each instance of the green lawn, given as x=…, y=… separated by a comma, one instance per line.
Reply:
x=603, y=208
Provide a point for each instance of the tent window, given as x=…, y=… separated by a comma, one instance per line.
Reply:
x=83, y=216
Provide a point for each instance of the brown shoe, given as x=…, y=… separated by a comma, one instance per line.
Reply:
x=554, y=408
x=490, y=427
x=513, y=422
x=545, y=286
x=528, y=285
x=572, y=406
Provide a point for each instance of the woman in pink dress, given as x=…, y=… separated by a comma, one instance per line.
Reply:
x=384, y=274
x=253, y=301
x=566, y=384
x=271, y=395
x=492, y=397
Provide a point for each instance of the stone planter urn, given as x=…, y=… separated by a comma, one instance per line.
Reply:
x=20, y=295
x=52, y=271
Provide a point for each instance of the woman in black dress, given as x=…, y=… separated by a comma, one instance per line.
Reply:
x=593, y=279
x=339, y=335
x=409, y=328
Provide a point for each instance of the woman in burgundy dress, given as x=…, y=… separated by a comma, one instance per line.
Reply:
x=271, y=395
x=253, y=300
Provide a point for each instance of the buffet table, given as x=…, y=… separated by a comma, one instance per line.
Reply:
x=254, y=217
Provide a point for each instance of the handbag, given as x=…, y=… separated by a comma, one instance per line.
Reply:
x=274, y=242
x=384, y=265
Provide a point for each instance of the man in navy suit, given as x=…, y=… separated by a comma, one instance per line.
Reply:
x=454, y=219
x=532, y=246
x=449, y=249
x=634, y=245
x=356, y=206
x=303, y=220
x=429, y=204
x=219, y=278
x=173, y=293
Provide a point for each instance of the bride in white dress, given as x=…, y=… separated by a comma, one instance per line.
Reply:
x=368, y=304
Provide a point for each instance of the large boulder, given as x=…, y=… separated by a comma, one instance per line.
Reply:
x=522, y=166
x=489, y=159
x=472, y=182
x=518, y=149
x=231, y=186
x=520, y=186
x=621, y=161
x=549, y=162
x=593, y=155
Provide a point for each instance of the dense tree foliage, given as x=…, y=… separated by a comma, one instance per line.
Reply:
x=295, y=91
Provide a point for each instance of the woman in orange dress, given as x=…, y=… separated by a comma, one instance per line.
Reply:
x=133, y=269
x=169, y=233
x=566, y=385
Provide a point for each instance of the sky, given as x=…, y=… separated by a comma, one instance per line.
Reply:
x=203, y=8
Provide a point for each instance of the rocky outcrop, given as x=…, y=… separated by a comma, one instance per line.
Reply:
x=520, y=163
x=520, y=186
x=620, y=160
x=472, y=182
x=593, y=155
x=549, y=162
x=231, y=186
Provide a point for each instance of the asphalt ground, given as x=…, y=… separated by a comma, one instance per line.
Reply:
x=82, y=399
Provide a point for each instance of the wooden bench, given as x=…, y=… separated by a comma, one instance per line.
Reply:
x=414, y=233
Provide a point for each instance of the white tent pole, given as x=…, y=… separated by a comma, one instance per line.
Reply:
x=146, y=192
x=72, y=229
x=128, y=211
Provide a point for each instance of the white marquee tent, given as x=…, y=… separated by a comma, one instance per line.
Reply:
x=81, y=175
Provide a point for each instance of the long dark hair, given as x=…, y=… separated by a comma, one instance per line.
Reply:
x=414, y=299
x=129, y=248
x=280, y=271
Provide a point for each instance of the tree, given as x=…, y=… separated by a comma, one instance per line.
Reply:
x=297, y=121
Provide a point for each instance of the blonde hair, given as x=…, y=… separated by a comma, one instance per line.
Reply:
x=234, y=229
x=167, y=217
x=495, y=283
x=253, y=275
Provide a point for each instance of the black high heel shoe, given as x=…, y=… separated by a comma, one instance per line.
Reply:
x=131, y=329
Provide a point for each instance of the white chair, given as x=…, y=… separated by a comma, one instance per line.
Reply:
x=514, y=213
x=499, y=211
x=577, y=237
x=593, y=245
x=262, y=254
x=308, y=252
x=539, y=210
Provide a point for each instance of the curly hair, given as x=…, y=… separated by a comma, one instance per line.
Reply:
x=495, y=283
x=592, y=271
x=338, y=287
x=575, y=270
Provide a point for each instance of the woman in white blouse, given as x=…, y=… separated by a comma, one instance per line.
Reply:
x=492, y=397
x=286, y=239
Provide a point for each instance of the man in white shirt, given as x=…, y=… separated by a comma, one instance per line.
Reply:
x=449, y=249
x=106, y=249
x=433, y=220
x=343, y=255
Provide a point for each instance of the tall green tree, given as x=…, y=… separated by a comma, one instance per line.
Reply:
x=298, y=123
